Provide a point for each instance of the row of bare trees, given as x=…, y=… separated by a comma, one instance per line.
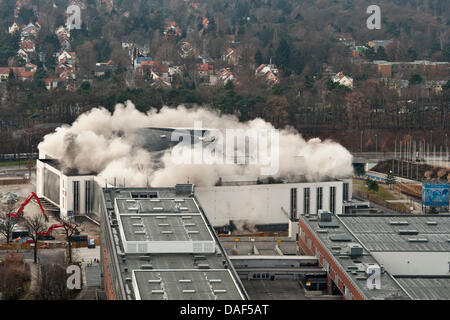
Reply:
x=36, y=225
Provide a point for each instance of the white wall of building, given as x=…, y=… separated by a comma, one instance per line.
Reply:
x=66, y=189
x=263, y=203
x=415, y=263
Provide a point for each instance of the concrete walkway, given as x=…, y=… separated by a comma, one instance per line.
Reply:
x=34, y=271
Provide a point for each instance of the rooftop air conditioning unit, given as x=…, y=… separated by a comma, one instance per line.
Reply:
x=324, y=215
x=355, y=250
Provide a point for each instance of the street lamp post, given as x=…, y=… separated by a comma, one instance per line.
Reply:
x=376, y=144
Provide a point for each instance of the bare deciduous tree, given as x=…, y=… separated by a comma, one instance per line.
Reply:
x=7, y=223
x=35, y=225
x=70, y=228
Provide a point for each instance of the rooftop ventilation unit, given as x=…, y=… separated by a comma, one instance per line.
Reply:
x=157, y=291
x=135, y=218
x=144, y=258
x=321, y=231
x=186, y=217
x=432, y=223
x=139, y=232
x=158, y=208
x=220, y=291
x=167, y=232
x=324, y=215
x=215, y=281
x=399, y=223
x=185, y=281
x=146, y=267
x=355, y=250
x=138, y=224
x=203, y=266
x=184, y=209
x=189, y=224
x=163, y=224
x=193, y=232
x=184, y=188
x=155, y=200
x=340, y=238
x=189, y=291
x=417, y=240
x=178, y=200
x=407, y=232
x=154, y=281
x=328, y=225
x=199, y=258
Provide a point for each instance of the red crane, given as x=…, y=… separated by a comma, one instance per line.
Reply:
x=24, y=204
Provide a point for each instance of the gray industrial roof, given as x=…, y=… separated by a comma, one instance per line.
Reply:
x=354, y=267
x=261, y=246
x=159, y=205
x=137, y=269
x=401, y=232
x=185, y=284
x=169, y=227
x=426, y=288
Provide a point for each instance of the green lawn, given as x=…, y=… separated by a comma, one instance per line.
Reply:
x=382, y=192
x=13, y=163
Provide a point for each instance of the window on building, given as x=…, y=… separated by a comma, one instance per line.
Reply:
x=89, y=195
x=76, y=197
x=293, y=204
x=332, y=199
x=319, y=198
x=306, y=200
x=345, y=193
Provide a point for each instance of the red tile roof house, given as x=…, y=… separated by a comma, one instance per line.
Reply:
x=4, y=74
x=27, y=46
x=204, y=69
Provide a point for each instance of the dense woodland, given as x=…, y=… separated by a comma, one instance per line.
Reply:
x=299, y=36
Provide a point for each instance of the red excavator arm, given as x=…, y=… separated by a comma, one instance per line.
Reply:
x=52, y=227
x=24, y=204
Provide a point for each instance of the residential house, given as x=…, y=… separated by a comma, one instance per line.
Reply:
x=13, y=28
x=143, y=61
x=102, y=67
x=185, y=50
x=269, y=73
x=30, y=30
x=435, y=86
x=225, y=75
x=205, y=23
x=358, y=51
x=172, y=29
x=21, y=53
x=28, y=46
x=204, y=69
x=66, y=57
x=231, y=57
x=53, y=83
x=343, y=80
x=346, y=39
x=405, y=69
x=375, y=44
x=4, y=74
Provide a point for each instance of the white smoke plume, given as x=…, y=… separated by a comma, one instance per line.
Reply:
x=107, y=144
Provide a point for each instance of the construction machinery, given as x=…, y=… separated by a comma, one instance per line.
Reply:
x=46, y=235
x=24, y=204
